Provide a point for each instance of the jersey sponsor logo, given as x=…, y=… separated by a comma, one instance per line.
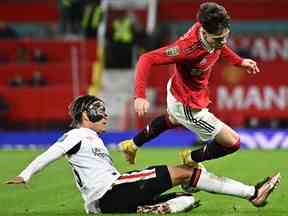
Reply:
x=172, y=51
x=101, y=154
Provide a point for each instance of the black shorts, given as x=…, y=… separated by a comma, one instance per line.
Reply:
x=136, y=188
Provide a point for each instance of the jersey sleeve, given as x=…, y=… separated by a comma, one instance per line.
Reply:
x=171, y=54
x=50, y=155
x=69, y=140
x=64, y=144
x=229, y=55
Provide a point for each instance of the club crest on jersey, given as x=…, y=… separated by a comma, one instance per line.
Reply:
x=172, y=51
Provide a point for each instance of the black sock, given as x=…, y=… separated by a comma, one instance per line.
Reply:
x=153, y=129
x=213, y=151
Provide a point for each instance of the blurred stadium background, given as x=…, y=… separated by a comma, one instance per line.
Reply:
x=54, y=50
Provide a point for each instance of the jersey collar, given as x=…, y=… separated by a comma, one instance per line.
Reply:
x=92, y=132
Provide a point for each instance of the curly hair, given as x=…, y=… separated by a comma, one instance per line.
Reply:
x=213, y=17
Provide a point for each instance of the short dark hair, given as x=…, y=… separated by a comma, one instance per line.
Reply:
x=213, y=17
x=78, y=106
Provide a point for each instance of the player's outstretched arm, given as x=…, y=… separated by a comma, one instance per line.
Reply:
x=40, y=162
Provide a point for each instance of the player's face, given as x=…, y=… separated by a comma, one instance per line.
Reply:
x=101, y=125
x=217, y=41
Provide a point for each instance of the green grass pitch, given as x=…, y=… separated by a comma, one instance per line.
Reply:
x=52, y=192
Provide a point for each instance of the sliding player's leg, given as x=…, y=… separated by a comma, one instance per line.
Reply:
x=142, y=189
x=143, y=193
x=209, y=182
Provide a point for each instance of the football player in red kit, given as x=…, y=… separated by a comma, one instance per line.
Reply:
x=194, y=55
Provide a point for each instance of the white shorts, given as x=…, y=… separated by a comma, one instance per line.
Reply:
x=201, y=122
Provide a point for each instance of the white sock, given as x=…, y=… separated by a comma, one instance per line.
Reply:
x=223, y=185
x=181, y=203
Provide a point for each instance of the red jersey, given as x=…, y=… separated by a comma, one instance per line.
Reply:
x=193, y=61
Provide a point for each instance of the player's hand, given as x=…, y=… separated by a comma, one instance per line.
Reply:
x=16, y=180
x=250, y=65
x=141, y=106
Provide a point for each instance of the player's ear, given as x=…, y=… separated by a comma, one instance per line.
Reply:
x=85, y=116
